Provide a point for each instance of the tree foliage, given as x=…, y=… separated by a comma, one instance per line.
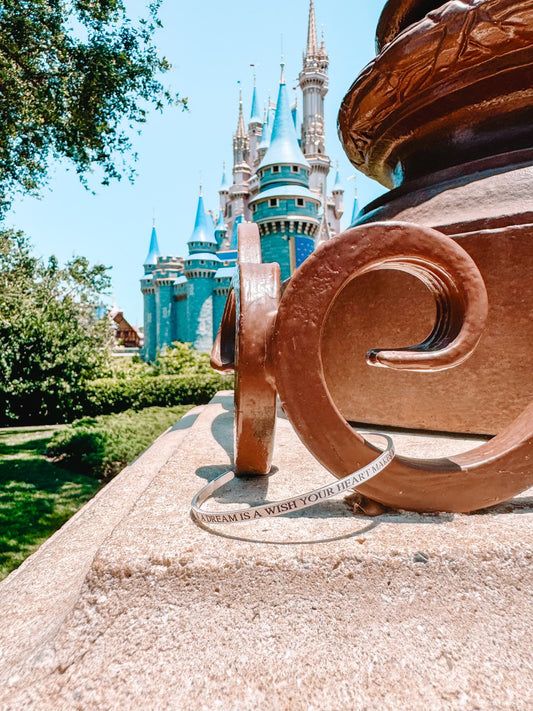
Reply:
x=75, y=77
x=51, y=341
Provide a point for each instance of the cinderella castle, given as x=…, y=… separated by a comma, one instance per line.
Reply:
x=279, y=181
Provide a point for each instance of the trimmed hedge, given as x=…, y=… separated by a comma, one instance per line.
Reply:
x=102, y=446
x=108, y=395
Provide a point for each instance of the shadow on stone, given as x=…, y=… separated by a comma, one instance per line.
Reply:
x=220, y=430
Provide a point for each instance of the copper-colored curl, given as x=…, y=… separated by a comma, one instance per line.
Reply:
x=281, y=349
x=242, y=345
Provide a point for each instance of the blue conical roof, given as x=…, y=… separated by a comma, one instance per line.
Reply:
x=234, y=241
x=203, y=226
x=267, y=129
x=153, y=250
x=284, y=148
x=224, y=185
x=294, y=114
x=355, y=210
x=255, y=115
x=338, y=185
x=221, y=225
x=220, y=228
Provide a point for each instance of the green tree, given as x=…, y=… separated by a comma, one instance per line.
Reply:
x=51, y=340
x=75, y=77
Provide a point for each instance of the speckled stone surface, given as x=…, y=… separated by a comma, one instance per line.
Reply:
x=133, y=606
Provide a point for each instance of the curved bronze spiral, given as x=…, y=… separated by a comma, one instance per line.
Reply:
x=484, y=476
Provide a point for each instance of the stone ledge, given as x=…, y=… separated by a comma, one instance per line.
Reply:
x=318, y=610
x=41, y=592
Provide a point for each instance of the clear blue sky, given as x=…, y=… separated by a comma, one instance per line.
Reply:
x=211, y=46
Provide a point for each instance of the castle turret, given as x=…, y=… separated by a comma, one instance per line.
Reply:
x=337, y=206
x=267, y=131
x=294, y=112
x=285, y=209
x=203, y=236
x=153, y=252
x=220, y=230
x=355, y=209
x=224, y=189
x=239, y=191
x=313, y=80
x=149, y=299
x=255, y=130
x=200, y=268
x=167, y=270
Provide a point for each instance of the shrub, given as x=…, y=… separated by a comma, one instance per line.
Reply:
x=181, y=359
x=102, y=446
x=109, y=395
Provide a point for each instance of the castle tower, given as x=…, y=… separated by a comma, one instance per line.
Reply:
x=285, y=209
x=267, y=132
x=313, y=81
x=223, y=190
x=166, y=271
x=355, y=210
x=200, y=268
x=294, y=112
x=239, y=191
x=220, y=230
x=336, y=209
x=149, y=300
x=255, y=130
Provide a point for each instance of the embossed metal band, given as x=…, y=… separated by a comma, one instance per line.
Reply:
x=295, y=503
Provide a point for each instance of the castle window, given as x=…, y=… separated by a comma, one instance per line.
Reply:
x=229, y=210
x=254, y=208
x=300, y=202
x=202, y=261
x=273, y=202
x=275, y=169
x=295, y=169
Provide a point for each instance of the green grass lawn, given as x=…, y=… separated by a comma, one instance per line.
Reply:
x=36, y=496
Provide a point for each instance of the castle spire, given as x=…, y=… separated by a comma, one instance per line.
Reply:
x=255, y=115
x=241, y=131
x=294, y=111
x=355, y=210
x=241, y=146
x=153, y=249
x=324, y=232
x=337, y=187
x=322, y=50
x=203, y=235
x=220, y=229
x=265, y=136
x=313, y=80
x=312, y=41
x=224, y=182
x=284, y=147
